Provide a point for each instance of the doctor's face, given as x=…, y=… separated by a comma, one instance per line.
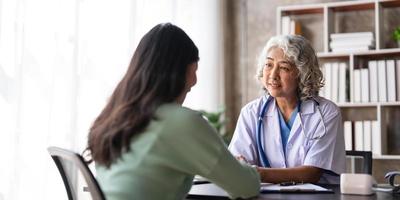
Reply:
x=280, y=76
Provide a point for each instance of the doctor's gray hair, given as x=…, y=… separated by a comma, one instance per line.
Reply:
x=299, y=51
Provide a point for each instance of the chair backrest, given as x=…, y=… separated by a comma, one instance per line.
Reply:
x=64, y=160
x=363, y=166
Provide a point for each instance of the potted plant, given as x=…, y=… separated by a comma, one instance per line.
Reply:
x=396, y=35
x=216, y=119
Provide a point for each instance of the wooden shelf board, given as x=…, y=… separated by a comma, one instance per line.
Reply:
x=352, y=6
x=302, y=10
x=390, y=3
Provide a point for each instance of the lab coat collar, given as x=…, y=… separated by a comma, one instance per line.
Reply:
x=307, y=107
x=271, y=107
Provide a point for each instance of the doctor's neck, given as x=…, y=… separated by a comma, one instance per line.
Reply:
x=287, y=104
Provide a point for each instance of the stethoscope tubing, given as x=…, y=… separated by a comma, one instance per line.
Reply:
x=261, y=151
x=259, y=133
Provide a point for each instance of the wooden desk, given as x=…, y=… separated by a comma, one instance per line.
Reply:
x=209, y=191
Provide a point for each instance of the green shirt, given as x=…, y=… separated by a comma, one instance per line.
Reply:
x=165, y=157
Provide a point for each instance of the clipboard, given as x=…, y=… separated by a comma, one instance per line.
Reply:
x=299, y=188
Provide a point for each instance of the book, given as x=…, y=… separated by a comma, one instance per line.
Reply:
x=398, y=79
x=373, y=80
x=367, y=135
x=295, y=27
x=352, y=35
x=355, y=42
x=382, y=81
x=348, y=135
x=285, y=29
x=364, y=85
x=357, y=85
x=391, y=80
x=358, y=136
x=351, y=49
x=343, y=76
x=328, y=80
x=335, y=82
x=376, y=138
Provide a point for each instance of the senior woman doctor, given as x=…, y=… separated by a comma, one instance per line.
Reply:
x=291, y=133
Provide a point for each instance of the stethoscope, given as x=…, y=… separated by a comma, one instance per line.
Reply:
x=259, y=132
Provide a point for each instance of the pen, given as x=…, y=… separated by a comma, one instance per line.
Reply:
x=289, y=183
x=297, y=190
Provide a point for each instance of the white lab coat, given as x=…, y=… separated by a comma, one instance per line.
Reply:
x=327, y=153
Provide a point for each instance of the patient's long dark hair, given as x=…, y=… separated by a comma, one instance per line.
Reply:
x=156, y=75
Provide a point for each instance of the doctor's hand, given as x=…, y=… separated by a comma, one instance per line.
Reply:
x=242, y=159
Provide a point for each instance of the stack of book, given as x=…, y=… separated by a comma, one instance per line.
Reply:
x=351, y=42
x=377, y=82
x=337, y=81
x=364, y=136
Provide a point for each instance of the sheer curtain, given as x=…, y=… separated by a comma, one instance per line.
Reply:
x=60, y=61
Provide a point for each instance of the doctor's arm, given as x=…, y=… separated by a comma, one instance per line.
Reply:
x=307, y=174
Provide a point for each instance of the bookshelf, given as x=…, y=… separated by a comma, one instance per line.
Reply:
x=318, y=22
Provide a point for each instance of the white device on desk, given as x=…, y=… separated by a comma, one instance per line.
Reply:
x=356, y=184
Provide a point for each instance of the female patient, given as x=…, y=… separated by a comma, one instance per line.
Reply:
x=145, y=144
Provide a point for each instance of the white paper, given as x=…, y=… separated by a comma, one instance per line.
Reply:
x=299, y=187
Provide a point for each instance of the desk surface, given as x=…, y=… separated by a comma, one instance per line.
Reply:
x=210, y=191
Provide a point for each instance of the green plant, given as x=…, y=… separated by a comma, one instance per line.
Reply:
x=396, y=34
x=217, y=120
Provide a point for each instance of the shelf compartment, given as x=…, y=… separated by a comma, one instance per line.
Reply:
x=389, y=21
x=311, y=19
x=351, y=19
x=390, y=118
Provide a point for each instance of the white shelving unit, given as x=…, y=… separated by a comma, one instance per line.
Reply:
x=323, y=23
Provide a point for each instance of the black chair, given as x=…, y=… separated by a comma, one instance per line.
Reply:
x=362, y=166
x=66, y=162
